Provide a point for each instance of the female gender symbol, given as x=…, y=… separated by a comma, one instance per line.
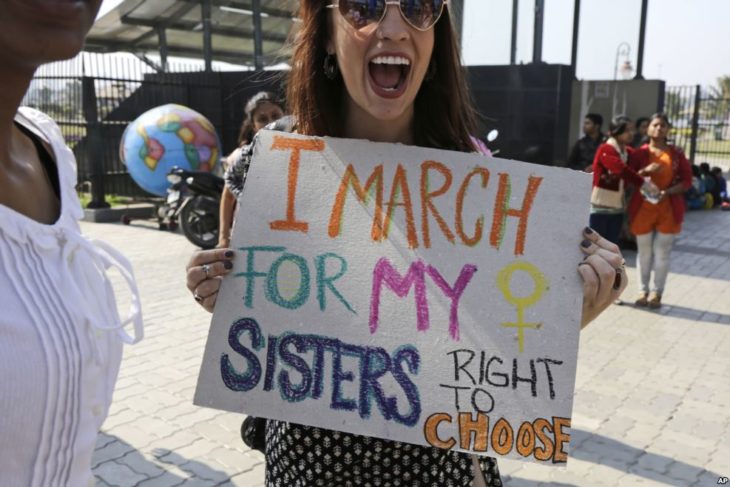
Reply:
x=504, y=278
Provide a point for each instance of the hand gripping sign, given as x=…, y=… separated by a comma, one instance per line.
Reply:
x=411, y=294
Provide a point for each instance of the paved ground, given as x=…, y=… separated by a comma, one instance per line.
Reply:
x=652, y=403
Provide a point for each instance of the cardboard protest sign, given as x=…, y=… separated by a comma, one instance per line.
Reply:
x=412, y=294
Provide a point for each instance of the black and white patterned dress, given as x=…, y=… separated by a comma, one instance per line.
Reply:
x=304, y=456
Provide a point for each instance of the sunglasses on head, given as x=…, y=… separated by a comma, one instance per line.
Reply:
x=419, y=14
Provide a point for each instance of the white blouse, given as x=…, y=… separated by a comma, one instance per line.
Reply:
x=60, y=334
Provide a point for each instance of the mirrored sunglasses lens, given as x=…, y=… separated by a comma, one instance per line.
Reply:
x=422, y=14
x=361, y=13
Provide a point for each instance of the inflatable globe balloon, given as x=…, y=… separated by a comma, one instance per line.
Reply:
x=167, y=136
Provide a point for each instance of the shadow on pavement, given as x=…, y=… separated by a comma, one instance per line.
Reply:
x=717, y=265
x=118, y=463
x=199, y=469
x=619, y=455
x=518, y=482
x=677, y=311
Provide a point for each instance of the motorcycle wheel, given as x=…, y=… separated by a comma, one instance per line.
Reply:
x=199, y=221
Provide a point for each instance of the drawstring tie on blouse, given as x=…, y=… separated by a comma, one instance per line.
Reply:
x=89, y=260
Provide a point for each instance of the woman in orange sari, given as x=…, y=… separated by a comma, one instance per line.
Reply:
x=657, y=223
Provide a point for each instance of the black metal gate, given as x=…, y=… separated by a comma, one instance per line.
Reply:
x=95, y=96
x=701, y=123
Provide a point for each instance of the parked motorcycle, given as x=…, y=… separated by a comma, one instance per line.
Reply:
x=193, y=200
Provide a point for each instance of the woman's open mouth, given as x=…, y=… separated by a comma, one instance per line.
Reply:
x=389, y=75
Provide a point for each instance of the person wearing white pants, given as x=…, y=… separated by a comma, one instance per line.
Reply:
x=656, y=222
x=654, y=250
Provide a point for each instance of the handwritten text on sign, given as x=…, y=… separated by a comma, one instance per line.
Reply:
x=411, y=294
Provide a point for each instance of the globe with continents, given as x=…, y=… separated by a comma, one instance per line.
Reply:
x=167, y=136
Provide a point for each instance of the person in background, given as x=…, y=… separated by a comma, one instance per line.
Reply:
x=384, y=73
x=721, y=184
x=626, y=240
x=584, y=150
x=695, y=195
x=261, y=109
x=610, y=174
x=640, y=138
x=712, y=187
x=61, y=335
x=657, y=223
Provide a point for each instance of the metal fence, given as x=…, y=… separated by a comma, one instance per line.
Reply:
x=93, y=98
x=700, y=123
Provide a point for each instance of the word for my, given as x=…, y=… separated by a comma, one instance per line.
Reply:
x=306, y=357
x=385, y=275
x=400, y=197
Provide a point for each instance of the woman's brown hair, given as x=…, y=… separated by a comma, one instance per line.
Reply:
x=444, y=116
x=246, y=132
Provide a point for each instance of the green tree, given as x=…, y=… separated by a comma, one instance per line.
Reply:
x=719, y=105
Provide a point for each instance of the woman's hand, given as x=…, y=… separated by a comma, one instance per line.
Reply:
x=603, y=272
x=223, y=242
x=205, y=272
x=651, y=169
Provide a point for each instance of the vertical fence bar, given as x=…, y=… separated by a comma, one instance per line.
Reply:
x=695, y=124
x=642, y=38
x=513, y=46
x=574, y=46
x=456, y=11
x=258, y=42
x=537, y=35
x=205, y=8
x=94, y=153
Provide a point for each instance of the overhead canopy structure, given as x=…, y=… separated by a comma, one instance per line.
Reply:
x=243, y=32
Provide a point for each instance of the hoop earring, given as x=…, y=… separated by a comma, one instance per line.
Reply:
x=330, y=67
x=431, y=71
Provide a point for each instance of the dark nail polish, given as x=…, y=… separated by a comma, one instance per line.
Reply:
x=586, y=243
x=588, y=230
x=228, y=254
x=228, y=264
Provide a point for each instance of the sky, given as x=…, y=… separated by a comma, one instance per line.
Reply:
x=687, y=41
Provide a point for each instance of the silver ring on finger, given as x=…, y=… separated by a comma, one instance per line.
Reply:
x=206, y=269
x=200, y=298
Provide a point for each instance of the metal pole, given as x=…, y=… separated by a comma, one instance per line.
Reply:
x=162, y=38
x=207, y=35
x=642, y=35
x=695, y=124
x=456, y=10
x=627, y=53
x=537, y=40
x=513, y=49
x=93, y=150
x=576, y=24
x=258, y=49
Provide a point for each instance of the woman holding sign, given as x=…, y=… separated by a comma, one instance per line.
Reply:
x=386, y=72
x=62, y=338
